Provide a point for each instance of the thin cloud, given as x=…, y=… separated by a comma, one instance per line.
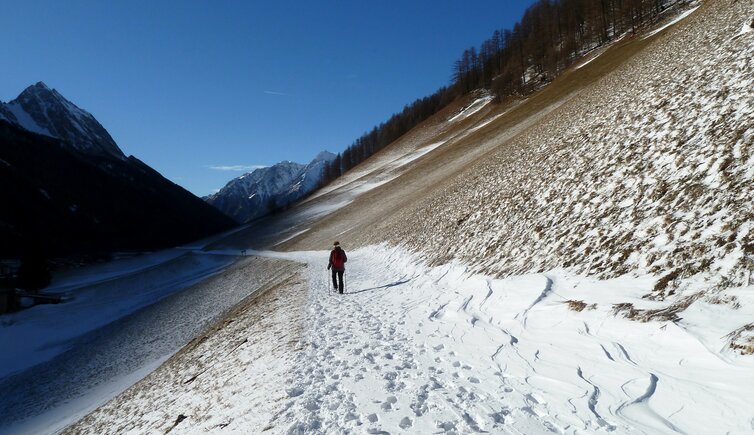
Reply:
x=277, y=93
x=236, y=168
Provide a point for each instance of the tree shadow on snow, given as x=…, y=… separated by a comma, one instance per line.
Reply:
x=380, y=287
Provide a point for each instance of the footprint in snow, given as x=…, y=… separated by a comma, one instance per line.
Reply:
x=406, y=423
x=295, y=391
x=501, y=417
x=447, y=426
x=436, y=385
x=406, y=365
x=390, y=377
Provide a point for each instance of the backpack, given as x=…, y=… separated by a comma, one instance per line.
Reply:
x=338, y=259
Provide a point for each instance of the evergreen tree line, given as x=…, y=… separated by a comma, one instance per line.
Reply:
x=386, y=133
x=551, y=35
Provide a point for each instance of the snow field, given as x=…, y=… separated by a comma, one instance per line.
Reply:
x=424, y=350
x=417, y=349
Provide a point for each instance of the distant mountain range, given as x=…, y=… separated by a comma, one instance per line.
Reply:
x=266, y=189
x=69, y=189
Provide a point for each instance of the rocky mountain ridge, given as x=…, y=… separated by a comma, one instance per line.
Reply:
x=71, y=191
x=263, y=190
x=45, y=111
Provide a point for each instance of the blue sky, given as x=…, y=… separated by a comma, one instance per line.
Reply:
x=193, y=87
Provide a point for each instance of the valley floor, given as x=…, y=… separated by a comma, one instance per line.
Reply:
x=417, y=349
x=121, y=321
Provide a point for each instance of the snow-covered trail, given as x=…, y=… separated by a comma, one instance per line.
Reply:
x=371, y=365
x=419, y=349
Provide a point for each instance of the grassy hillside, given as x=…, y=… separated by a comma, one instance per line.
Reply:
x=639, y=162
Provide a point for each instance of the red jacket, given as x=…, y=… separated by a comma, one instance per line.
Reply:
x=338, y=259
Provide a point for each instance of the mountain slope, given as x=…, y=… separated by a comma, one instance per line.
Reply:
x=263, y=190
x=647, y=172
x=71, y=190
x=42, y=110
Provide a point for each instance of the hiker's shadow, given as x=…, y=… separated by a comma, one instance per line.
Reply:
x=397, y=283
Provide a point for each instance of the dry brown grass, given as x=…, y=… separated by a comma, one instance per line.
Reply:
x=669, y=313
x=729, y=300
x=627, y=309
x=576, y=305
x=741, y=344
x=664, y=282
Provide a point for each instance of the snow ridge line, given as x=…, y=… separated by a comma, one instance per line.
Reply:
x=545, y=292
x=643, y=402
x=593, y=399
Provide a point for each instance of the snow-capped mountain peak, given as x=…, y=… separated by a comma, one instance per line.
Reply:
x=323, y=156
x=260, y=191
x=43, y=110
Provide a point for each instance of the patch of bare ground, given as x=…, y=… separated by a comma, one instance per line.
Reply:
x=742, y=340
x=213, y=372
x=579, y=306
x=729, y=300
x=670, y=313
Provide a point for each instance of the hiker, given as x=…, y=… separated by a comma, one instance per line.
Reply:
x=337, y=263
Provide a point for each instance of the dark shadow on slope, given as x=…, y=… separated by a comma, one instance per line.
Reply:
x=380, y=287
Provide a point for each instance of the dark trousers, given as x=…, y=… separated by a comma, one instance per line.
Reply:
x=337, y=275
